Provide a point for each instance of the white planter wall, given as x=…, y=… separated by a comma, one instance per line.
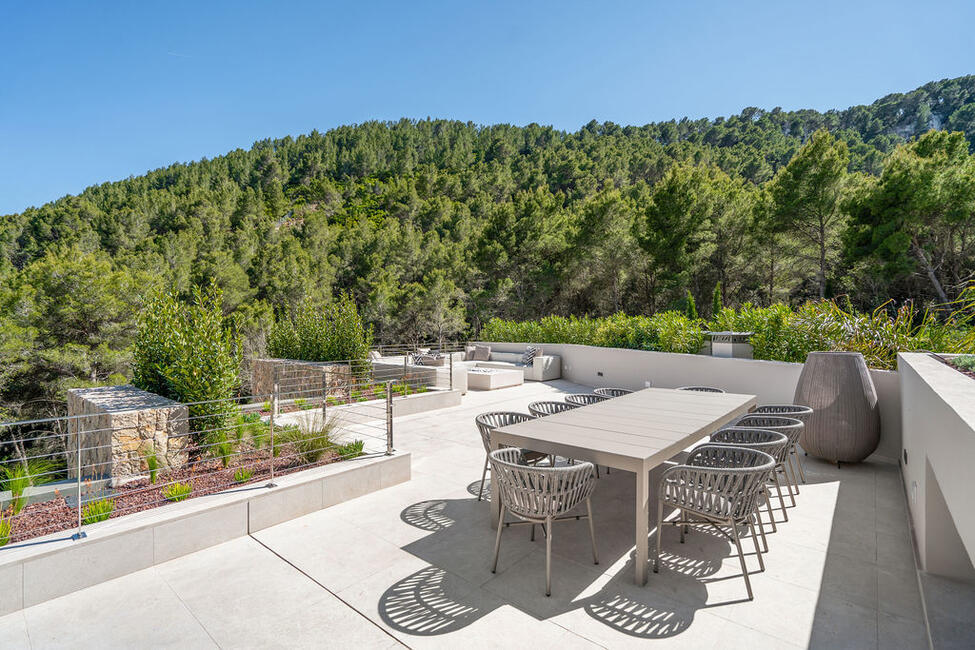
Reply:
x=939, y=439
x=774, y=382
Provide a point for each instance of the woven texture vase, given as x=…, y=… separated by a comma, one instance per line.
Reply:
x=845, y=423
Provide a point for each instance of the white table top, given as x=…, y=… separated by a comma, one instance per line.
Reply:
x=632, y=432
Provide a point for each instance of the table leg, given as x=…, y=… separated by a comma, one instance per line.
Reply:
x=642, y=524
x=495, y=499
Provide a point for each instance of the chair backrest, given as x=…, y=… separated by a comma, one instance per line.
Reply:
x=612, y=392
x=582, y=399
x=541, y=409
x=791, y=427
x=773, y=443
x=535, y=493
x=702, y=389
x=723, y=480
x=487, y=422
x=796, y=411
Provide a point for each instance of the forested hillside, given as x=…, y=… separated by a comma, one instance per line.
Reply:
x=435, y=226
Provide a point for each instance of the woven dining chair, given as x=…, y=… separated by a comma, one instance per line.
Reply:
x=541, y=409
x=792, y=428
x=584, y=399
x=541, y=495
x=796, y=411
x=774, y=444
x=488, y=422
x=612, y=392
x=721, y=484
x=702, y=389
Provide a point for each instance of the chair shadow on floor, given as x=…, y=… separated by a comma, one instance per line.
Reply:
x=451, y=593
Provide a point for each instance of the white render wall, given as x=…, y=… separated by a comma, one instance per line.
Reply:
x=774, y=382
x=939, y=438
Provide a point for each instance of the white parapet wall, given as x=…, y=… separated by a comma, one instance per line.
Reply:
x=774, y=382
x=938, y=462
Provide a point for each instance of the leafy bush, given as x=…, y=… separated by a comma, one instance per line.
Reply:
x=243, y=475
x=779, y=332
x=965, y=362
x=178, y=491
x=152, y=462
x=96, y=511
x=333, y=332
x=190, y=353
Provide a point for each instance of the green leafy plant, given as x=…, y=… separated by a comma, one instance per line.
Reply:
x=16, y=476
x=302, y=404
x=190, y=353
x=350, y=449
x=178, y=491
x=310, y=440
x=965, y=362
x=96, y=511
x=267, y=406
x=243, y=475
x=6, y=528
x=333, y=332
x=152, y=462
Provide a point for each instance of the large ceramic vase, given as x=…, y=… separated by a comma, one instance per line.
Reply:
x=845, y=423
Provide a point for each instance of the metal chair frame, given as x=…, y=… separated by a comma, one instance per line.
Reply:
x=612, y=392
x=797, y=411
x=487, y=422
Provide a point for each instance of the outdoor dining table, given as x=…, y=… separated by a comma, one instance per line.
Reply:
x=634, y=432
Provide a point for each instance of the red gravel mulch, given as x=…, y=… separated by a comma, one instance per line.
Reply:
x=207, y=476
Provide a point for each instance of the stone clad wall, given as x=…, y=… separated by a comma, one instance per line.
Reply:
x=118, y=428
x=299, y=378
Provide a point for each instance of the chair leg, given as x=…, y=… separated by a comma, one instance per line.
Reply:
x=660, y=525
x=548, y=557
x=592, y=532
x=802, y=473
x=771, y=515
x=487, y=462
x=682, y=525
x=597, y=470
x=778, y=488
x=497, y=540
x=789, y=480
x=741, y=559
x=761, y=528
x=795, y=474
x=758, y=551
x=533, y=532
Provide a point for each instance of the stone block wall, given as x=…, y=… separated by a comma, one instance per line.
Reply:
x=118, y=426
x=299, y=379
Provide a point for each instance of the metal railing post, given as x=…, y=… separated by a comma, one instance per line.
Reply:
x=79, y=534
x=274, y=410
x=450, y=362
x=324, y=393
x=389, y=418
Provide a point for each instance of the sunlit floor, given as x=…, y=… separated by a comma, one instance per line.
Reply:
x=410, y=565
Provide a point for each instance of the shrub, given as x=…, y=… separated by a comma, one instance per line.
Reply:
x=333, y=332
x=5, y=529
x=96, y=511
x=16, y=476
x=190, y=353
x=243, y=475
x=178, y=491
x=152, y=462
x=310, y=440
x=965, y=362
x=302, y=403
x=351, y=449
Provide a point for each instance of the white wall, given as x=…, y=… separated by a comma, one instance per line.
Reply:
x=938, y=413
x=774, y=382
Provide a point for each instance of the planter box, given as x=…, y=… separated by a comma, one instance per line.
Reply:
x=48, y=567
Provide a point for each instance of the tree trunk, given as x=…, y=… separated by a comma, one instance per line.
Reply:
x=822, y=259
x=942, y=296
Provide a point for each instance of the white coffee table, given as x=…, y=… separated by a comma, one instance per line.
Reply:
x=493, y=378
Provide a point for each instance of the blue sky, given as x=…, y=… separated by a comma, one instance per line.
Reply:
x=98, y=91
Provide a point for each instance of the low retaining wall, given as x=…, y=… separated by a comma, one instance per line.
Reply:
x=774, y=382
x=49, y=567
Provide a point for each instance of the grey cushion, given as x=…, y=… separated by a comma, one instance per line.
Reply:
x=482, y=353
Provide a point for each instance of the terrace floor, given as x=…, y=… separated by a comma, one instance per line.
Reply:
x=410, y=565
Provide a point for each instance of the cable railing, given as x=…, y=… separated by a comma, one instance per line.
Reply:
x=63, y=474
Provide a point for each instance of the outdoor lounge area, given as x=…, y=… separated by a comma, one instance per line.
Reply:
x=411, y=565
